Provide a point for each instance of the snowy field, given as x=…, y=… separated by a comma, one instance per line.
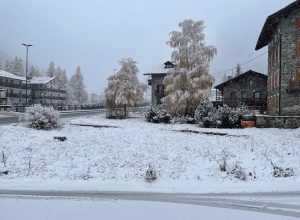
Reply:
x=117, y=157
x=40, y=209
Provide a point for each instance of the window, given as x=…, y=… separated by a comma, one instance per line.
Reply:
x=298, y=48
x=257, y=95
x=298, y=23
x=298, y=75
x=250, y=83
x=244, y=95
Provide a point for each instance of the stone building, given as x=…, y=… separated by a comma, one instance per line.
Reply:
x=156, y=79
x=40, y=90
x=281, y=33
x=248, y=89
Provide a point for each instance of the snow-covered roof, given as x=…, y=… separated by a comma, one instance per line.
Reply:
x=34, y=80
x=6, y=74
x=41, y=80
x=157, y=70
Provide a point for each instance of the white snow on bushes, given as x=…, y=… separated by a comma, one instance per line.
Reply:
x=40, y=117
x=123, y=154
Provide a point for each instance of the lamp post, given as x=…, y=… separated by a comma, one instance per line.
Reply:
x=26, y=70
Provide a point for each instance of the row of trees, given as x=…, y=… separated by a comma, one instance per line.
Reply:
x=76, y=93
x=188, y=84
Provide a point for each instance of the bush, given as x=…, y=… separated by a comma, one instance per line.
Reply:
x=224, y=117
x=43, y=118
x=151, y=175
x=157, y=115
x=228, y=117
x=238, y=172
x=183, y=120
x=283, y=172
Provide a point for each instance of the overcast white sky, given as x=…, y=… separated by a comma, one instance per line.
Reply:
x=95, y=34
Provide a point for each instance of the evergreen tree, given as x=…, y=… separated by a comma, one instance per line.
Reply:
x=33, y=72
x=76, y=83
x=62, y=75
x=51, y=71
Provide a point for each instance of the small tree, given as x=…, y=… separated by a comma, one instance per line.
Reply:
x=124, y=89
x=78, y=87
x=190, y=82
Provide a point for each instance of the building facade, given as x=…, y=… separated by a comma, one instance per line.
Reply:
x=46, y=91
x=156, y=81
x=281, y=33
x=248, y=89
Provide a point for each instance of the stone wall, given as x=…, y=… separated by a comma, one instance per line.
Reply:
x=266, y=121
x=280, y=100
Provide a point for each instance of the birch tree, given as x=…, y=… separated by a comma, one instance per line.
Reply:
x=190, y=82
x=124, y=89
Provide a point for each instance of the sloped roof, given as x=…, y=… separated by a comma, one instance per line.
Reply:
x=157, y=70
x=6, y=74
x=239, y=77
x=41, y=80
x=271, y=24
x=34, y=80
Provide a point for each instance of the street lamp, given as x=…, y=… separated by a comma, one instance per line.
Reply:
x=26, y=45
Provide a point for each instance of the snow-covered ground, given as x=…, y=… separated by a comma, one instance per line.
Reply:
x=116, y=158
x=38, y=209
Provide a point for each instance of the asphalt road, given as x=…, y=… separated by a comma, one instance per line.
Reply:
x=271, y=203
x=73, y=114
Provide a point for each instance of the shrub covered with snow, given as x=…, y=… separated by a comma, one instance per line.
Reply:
x=151, y=175
x=228, y=117
x=157, y=115
x=238, y=172
x=44, y=118
x=224, y=117
x=283, y=172
x=183, y=120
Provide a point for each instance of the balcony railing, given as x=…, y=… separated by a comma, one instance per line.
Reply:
x=12, y=85
x=23, y=86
